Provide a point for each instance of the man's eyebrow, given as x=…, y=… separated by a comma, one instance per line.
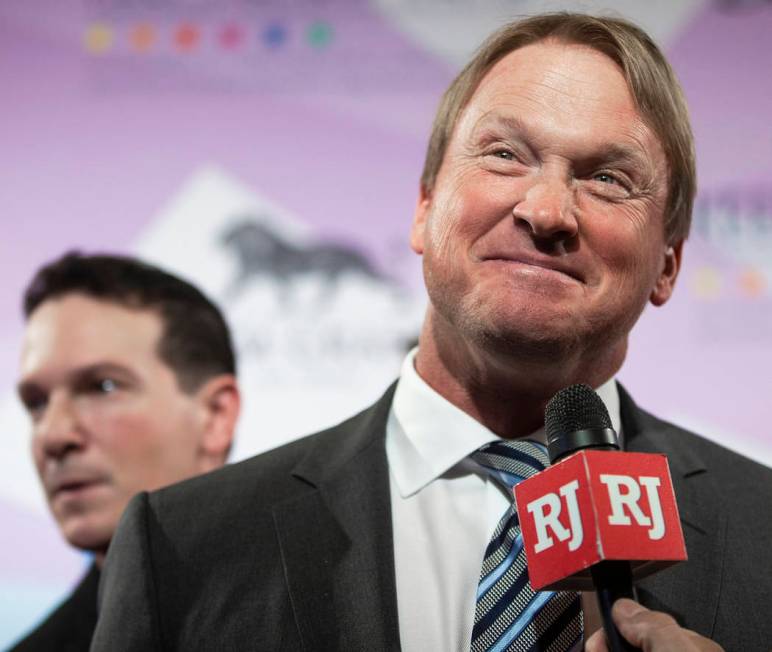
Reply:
x=511, y=126
x=605, y=153
x=26, y=387
x=101, y=368
x=507, y=122
x=616, y=153
x=80, y=374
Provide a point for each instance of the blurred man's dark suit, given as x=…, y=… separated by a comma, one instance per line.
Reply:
x=70, y=627
x=292, y=550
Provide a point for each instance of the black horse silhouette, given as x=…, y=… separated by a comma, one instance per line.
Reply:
x=260, y=252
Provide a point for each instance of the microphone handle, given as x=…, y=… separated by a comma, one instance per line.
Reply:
x=613, y=580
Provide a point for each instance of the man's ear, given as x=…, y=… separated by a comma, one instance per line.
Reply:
x=418, y=228
x=671, y=265
x=220, y=401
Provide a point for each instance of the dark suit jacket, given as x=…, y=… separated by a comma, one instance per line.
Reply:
x=71, y=626
x=292, y=549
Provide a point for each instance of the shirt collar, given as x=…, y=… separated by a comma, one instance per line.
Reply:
x=427, y=435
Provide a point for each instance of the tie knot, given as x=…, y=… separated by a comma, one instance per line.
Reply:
x=512, y=461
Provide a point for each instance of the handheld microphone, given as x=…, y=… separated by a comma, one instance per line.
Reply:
x=576, y=419
x=598, y=517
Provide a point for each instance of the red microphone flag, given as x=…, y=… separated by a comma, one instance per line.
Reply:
x=598, y=505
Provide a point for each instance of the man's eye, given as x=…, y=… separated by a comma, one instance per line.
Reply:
x=105, y=385
x=504, y=154
x=603, y=177
x=34, y=405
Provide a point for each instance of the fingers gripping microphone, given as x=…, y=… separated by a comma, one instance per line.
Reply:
x=598, y=517
x=577, y=419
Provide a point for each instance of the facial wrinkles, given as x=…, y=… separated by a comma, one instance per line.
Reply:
x=566, y=82
x=651, y=180
x=575, y=142
x=558, y=92
x=566, y=87
x=440, y=228
x=447, y=202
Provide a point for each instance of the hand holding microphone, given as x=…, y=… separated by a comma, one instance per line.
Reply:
x=597, y=517
x=651, y=631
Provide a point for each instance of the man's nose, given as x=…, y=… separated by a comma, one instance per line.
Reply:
x=58, y=431
x=547, y=209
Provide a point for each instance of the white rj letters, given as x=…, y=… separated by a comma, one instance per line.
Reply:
x=546, y=510
x=624, y=492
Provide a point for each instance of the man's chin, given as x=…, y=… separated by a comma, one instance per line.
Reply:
x=88, y=532
x=523, y=347
x=526, y=333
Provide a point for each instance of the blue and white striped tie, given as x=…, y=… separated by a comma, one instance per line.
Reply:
x=509, y=615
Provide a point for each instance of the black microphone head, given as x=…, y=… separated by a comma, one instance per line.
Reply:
x=577, y=418
x=577, y=407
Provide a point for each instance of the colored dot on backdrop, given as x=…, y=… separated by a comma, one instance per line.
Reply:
x=320, y=34
x=275, y=35
x=142, y=37
x=98, y=38
x=187, y=37
x=231, y=36
x=706, y=283
x=752, y=283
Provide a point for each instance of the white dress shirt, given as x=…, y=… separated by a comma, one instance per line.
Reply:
x=444, y=511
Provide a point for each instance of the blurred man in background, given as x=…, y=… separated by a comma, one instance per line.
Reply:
x=129, y=377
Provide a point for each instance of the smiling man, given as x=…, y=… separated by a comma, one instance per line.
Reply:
x=555, y=199
x=542, y=233
x=128, y=376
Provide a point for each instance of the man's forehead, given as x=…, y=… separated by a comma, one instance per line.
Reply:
x=80, y=309
x=568, y=73
x=567, y=61
x=533, y=88
x=77, y=329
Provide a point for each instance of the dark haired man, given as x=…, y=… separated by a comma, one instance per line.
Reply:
x=128, y=375
x=553, y=207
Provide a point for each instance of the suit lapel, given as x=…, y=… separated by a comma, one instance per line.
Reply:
x=336, y=539
x=337, y=543
x=688, y=591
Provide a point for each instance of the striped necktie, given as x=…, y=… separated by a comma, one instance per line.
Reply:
x=509, y=615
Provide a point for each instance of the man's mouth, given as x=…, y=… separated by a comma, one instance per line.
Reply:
x=538, y=265
x=71, y=487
